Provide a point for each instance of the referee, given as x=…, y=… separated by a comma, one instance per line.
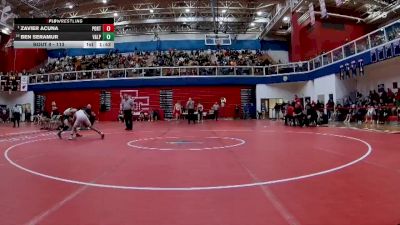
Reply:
x=126, y=106
x=190, y=108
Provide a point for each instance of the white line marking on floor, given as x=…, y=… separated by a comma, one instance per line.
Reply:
x=37, y=219
x=221, y=187
x=240, y=142
x=365, y=161
x=289, y=218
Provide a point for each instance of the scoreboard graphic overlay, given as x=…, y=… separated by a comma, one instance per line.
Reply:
x=52, y=33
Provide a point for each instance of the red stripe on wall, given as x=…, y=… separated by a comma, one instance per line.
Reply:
x=19, y=59
x=206, y=95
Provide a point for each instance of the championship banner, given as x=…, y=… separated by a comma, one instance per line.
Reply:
x=338, y=3
x=361, y=67
x=322, y=5
x=396, y=48
x=374, y=57
x=347, y=65
x=381, y=53
x=24, y=83
x=312, y=13
x=353, y=68
x=389, y=51
x=341, y=76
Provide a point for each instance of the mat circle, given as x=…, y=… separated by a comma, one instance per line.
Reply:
x=197, y=188
x=134, y=143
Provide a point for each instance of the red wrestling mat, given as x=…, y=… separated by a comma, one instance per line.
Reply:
x=225, y=172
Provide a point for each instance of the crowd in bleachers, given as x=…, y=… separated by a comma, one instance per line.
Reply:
x=10, y=81
x=376, y=107
x=172, y=58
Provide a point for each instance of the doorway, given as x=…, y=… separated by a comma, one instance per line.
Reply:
x=268, y=108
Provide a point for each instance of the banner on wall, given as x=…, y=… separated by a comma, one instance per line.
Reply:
x=322, y=5
x=312, y=13
x=389, y=51
x=353, y=68
x=347, y=66
x=341, y=72
x=381, y=53
x=361, y=67
x=396, y=48
x=374, y=58
x=24, y=83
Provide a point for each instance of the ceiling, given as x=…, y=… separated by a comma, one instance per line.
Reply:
x=367, y=11
x=135, y=17
x=200, y=16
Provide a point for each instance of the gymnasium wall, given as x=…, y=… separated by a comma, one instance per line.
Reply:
x=326, y=34
x=317, y=89
x=385, y=72
x=206, y=95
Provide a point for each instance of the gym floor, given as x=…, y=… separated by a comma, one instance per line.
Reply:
x=214, y=173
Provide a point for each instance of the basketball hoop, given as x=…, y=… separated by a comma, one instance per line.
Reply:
x=218, y=43
x=218, y=40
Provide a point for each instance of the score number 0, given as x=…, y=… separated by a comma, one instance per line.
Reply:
x=108, y=27
x=108, y=32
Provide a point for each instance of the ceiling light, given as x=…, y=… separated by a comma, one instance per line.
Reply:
x=187, y=10
x=286, y=19
x=5, y=31
x=223, y=11
x=259, y=13
x=220, y=22
x=104, y=1
x=115, y=14
x=252, y=24
x=70, y=6
x=151, y=10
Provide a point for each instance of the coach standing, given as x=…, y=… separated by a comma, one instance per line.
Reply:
x=126, y=106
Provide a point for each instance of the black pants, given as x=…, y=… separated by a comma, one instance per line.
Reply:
x=128, y=119
x=299, y=120
x=216, y=115
x=288, y=119
x=28, y=117
x=200, y=115
x=16, y=119
x=191, y=116
x=92, y=119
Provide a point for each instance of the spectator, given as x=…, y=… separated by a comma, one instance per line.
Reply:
x=16, y=115
x=200, y=110
x=216, y=110
x=177, y=110
x=330, y=106
x=298, y=115
x=289, y=117
x=28, y=114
